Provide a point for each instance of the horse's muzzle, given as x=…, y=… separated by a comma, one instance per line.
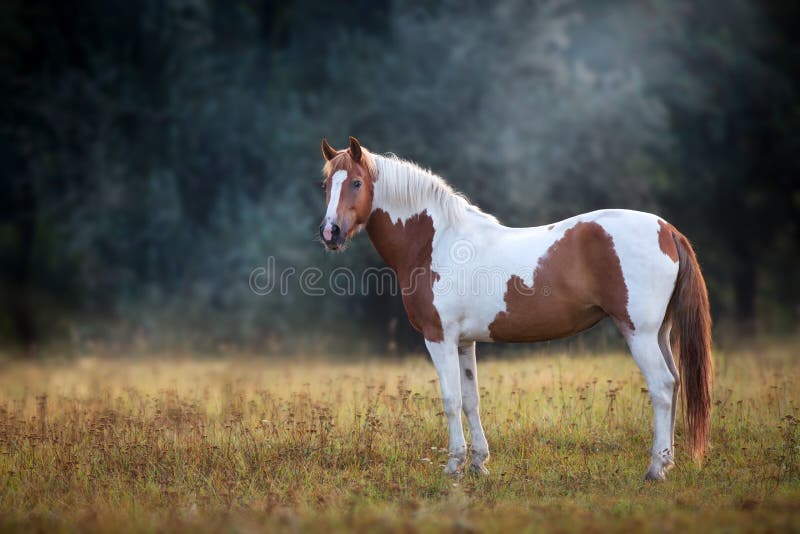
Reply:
x=331, y=235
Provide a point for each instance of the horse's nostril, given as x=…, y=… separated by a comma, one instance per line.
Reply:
x=330, y=232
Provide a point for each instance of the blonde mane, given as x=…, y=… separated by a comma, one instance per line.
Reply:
x=408, y=186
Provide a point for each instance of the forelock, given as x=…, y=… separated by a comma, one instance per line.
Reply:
x=343, y=162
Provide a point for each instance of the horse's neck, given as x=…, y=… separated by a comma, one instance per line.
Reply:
x=410, y=205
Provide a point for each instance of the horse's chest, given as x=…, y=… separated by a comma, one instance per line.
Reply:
x=407, y=248
x=418, y=301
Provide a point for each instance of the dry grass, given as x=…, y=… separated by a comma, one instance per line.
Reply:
x=246, y=444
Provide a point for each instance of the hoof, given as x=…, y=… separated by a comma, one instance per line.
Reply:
x=453, y=473
x=662, y=463
x=455, y=466
x=654, y=474
x=478, y=469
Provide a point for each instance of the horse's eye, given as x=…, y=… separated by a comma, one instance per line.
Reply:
x=357, y=184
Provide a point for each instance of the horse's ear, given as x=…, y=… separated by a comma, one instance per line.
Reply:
x=328, y=152
x=355, y=149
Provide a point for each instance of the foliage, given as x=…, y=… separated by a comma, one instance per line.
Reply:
x=158, y=152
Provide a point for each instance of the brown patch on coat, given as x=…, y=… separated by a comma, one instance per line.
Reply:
x=577, y=282
x=406, y=247
x=665, y=240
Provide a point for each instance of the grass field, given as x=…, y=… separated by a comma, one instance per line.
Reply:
x=248, y=444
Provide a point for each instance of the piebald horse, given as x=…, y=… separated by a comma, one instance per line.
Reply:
x=467, y=278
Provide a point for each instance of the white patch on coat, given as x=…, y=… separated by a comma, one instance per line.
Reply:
x=337, y=180
x=470, y=294
x=649, y=274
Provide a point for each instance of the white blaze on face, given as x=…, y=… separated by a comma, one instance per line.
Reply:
x=337, y=180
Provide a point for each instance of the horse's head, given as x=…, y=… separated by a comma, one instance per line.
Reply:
x=348, y=179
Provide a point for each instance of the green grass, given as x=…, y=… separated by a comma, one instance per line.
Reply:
x=249, y=444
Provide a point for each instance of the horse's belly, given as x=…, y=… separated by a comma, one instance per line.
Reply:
x=521, y=317
x=541, y=320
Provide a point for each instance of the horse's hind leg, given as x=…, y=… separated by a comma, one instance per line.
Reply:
x=662, y=384
x=470, y=402
x=666, y=351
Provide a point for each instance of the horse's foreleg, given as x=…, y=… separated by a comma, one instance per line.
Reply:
x=662, y=385
x=471, y=400
x=445, y=359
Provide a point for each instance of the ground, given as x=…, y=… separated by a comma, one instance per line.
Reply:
x=244, y=444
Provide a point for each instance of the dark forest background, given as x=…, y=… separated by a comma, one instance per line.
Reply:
x=154, y=153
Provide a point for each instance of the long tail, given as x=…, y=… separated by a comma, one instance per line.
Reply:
x=689, y=312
